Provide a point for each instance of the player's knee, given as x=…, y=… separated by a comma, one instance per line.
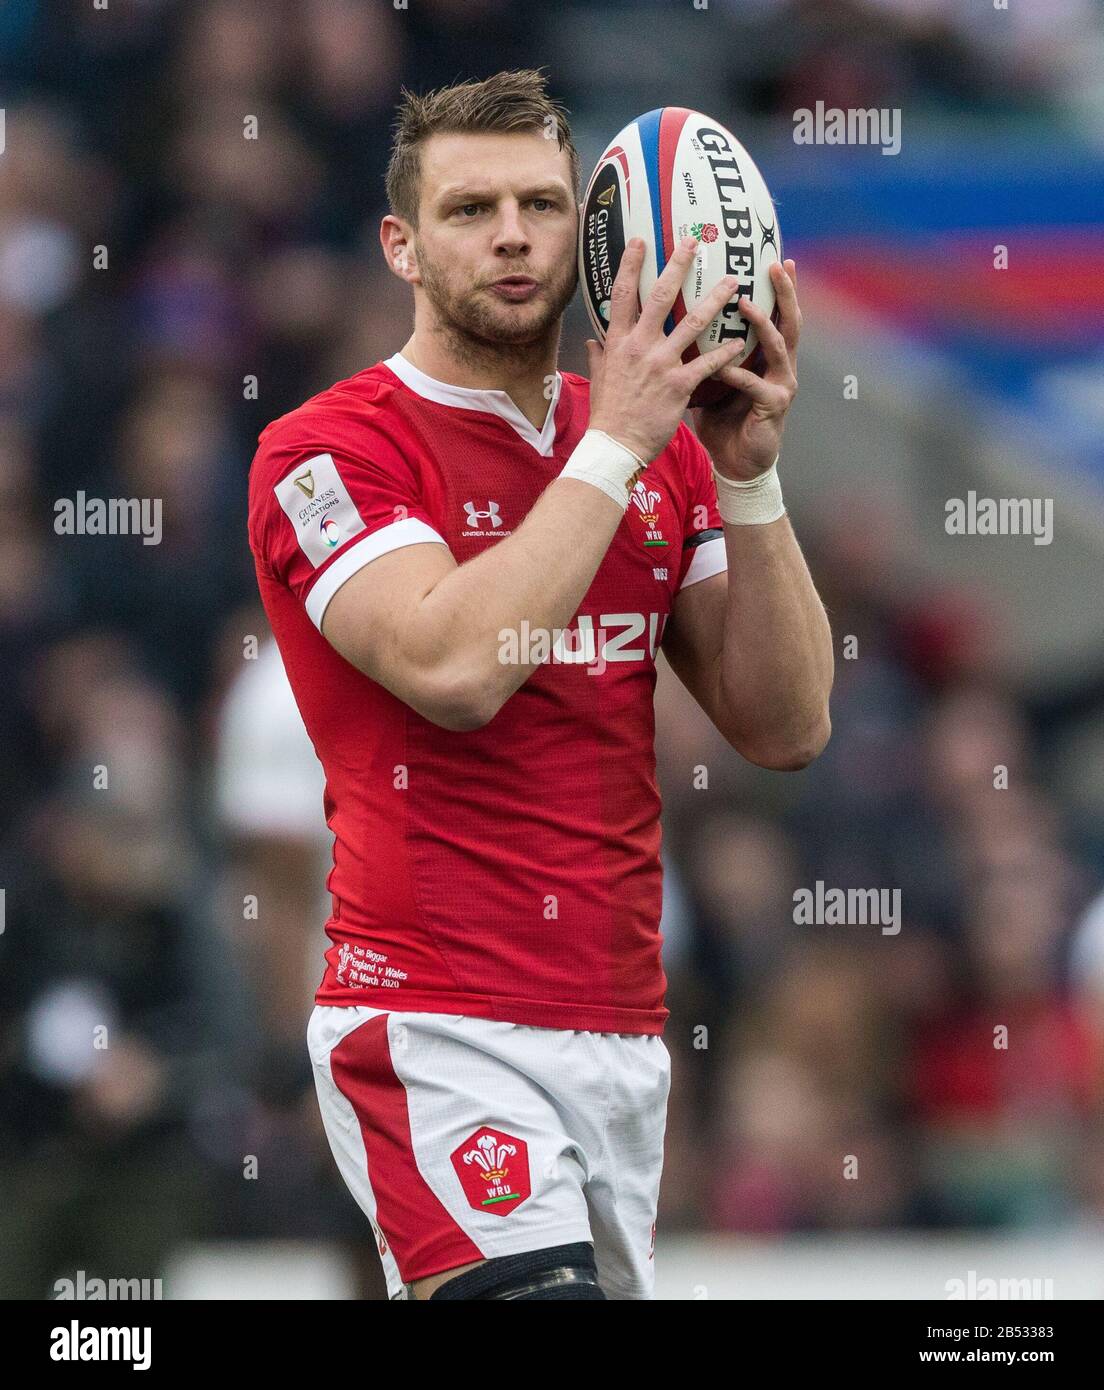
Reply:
x=560, y=1271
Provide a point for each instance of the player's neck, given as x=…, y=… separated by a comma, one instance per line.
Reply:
x=522, y=371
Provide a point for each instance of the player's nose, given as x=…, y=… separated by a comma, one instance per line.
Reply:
x=510, y=233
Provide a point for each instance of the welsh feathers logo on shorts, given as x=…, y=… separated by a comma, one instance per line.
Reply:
x=493, y=1169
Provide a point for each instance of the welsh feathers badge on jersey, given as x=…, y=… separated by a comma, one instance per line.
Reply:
x=318, y=505
x=493, y=1169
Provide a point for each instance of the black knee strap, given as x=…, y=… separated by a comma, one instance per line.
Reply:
x=561, y=1271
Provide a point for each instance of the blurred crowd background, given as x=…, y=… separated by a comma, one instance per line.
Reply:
x=240, y=278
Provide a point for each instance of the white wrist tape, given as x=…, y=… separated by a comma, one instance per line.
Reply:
x=753, y=503
x=599, y=459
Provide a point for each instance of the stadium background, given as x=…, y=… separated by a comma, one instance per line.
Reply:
x=230, y=259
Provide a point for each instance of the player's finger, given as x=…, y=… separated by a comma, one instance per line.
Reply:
x=789, y=315
x=765, y=393
x=701, y=315
x=710, y=362
x=664, y=292
x=594, y=353
x=775, y=348
x=625, y=292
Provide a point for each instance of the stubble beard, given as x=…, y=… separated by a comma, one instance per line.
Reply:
x=480, y=334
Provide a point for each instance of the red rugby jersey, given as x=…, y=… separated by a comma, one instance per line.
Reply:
x=511, y=872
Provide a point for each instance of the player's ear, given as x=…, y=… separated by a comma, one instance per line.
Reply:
x=397, y=241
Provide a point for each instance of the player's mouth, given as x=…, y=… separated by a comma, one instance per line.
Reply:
x=516, y=288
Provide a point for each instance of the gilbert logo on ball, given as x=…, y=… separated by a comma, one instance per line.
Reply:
x=670, y=174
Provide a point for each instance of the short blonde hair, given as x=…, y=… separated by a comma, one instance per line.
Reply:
x=508, y=101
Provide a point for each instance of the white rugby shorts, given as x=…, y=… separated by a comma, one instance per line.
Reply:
x=465, y=1138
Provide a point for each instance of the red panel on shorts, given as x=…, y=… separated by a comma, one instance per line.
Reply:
x=424, y=1238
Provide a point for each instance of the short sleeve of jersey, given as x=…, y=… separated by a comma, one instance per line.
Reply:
x=703, y=546
x=318, y=516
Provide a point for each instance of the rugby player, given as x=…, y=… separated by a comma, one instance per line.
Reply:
x=470, y=561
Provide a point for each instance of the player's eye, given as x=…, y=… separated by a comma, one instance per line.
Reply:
x=544, y=203
x=470, y=208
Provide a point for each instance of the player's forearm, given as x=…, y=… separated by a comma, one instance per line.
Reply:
x=776, y=666
x=475, y=619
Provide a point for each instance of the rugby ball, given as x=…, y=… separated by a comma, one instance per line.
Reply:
x=670, y=174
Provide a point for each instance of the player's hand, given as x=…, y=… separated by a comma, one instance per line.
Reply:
x=743, y=433
x=639, y=385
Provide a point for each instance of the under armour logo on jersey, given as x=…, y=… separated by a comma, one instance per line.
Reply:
x=474, y=516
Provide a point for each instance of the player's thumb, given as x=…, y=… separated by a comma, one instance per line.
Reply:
x=594, y=357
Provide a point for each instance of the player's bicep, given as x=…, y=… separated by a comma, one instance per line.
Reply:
x=371, y=620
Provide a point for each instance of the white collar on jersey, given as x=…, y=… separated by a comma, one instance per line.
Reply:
x=469, y=398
